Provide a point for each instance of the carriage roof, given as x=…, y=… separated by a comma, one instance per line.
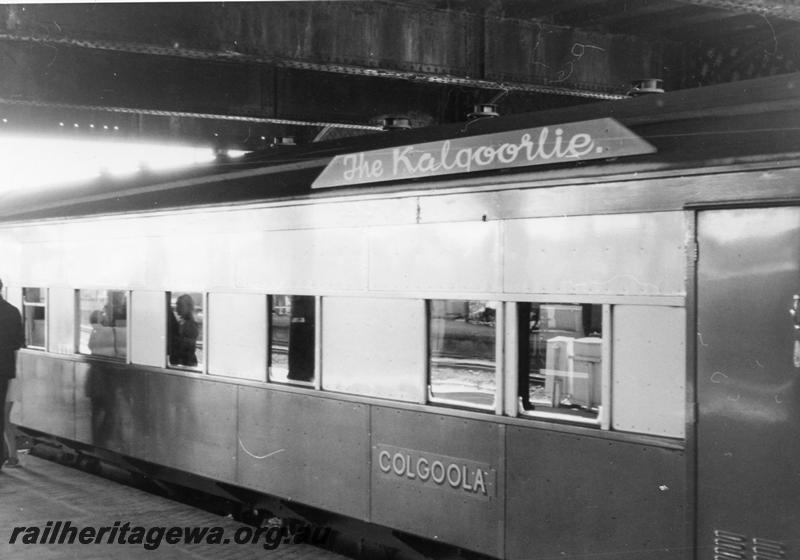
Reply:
x=742, y=122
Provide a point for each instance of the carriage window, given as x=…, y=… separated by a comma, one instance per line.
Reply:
x=462, y=339
x=185, y=330
x=34, y=316
x=560, y=359
x=103, y=323
x=291, y=339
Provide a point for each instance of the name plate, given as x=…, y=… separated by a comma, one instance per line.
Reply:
x=565, y=143
x=431, y=470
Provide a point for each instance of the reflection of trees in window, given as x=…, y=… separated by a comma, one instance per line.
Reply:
x=103, y=322
x=462, y=338
x=291, y=338
x=185, y=319
x=34, y=317
x=560, y=357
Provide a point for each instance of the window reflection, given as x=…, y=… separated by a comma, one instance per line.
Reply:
x=34, y=317
x=185, y=330
x=462, y=338
x=291, y=338
x=561, y=358
x=103, y=318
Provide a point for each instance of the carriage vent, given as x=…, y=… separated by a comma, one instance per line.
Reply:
x=768, y=550
x=729, y=546
x=733, y=546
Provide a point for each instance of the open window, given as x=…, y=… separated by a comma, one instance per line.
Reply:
x=462, y=342
x=561, y=352
x=292, y=336
x=185, y=324
x=34, y=317
x=103, y=323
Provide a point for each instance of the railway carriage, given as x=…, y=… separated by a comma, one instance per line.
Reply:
x=559, y=334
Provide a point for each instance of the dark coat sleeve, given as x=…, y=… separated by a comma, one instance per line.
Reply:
x=12, y=338
x=20, y=338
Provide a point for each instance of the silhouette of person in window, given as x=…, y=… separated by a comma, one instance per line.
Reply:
x=102, y=340
x=183, y=332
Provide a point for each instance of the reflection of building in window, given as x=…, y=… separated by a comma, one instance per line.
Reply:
x=185, y=329
x=34, y=316
x=560, y=358
x=291, y=338
x=103, y=323
x=462, y=338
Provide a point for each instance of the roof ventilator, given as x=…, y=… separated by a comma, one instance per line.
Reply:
x=396, y=123
x=283, y=141
x=484, y=110
x=646, y=87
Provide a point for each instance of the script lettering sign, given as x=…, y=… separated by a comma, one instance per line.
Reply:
x=564, y=143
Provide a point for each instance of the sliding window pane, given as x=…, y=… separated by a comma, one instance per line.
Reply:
x=185, y=319
x=291, y=338
x=103, y=323
x=237, y=335
x=34, y=316
x=462, y=339
x=561, y=348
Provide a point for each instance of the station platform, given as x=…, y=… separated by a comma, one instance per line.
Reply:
x=43, y=503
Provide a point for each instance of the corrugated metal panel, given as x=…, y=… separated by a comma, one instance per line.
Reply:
x=149, y=328
x=301, y=261
x=10, y=256
x=649, y=370
x=454, y=503
x=623, y=254
x=104, y=261
x=374, y=347
x=111, y=408
x=47, y=385
x=192, y=425
x=41, y=262
x=748, y=380
x=182, y=259
x=572, y=496
x=61, y=320
x=452, y=258
x=305, y=448
x=237, y=335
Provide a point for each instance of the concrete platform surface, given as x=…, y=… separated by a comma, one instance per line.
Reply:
x=44, y=503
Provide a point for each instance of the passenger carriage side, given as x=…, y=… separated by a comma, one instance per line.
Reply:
x=525, y=363
x=454, y=366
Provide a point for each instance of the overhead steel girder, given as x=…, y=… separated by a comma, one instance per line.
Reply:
x=783, y=9
x=232, y=73
x=234, y=104
x=373, y=39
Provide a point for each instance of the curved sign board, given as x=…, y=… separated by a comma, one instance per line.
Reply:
x=564, y=143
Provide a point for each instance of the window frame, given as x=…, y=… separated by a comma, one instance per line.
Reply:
x=316, y=382
x=77, y=314
x=499, y=348
x=603, y=418
x=25, y=305
x=202, y=366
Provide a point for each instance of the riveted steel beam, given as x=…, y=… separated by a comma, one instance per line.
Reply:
x=783, y=9
x=373, y=39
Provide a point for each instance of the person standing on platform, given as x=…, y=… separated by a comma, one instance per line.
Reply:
x=12, y=338
x=10, y=434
